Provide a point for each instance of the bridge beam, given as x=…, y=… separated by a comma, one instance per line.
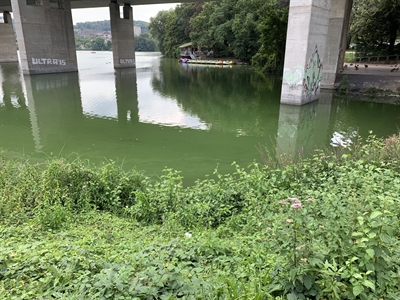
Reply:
x=45, y=36
x=8, y=49
x=122, y=36
x=305, y=47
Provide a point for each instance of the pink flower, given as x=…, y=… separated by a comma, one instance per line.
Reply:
x=296, y=205
x=310, y=200
x=283, y=202
x=295, y=200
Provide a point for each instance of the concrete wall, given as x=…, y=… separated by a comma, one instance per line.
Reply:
x=45, y=37
x=8, y=45
x=305, y=48
x=123, y=45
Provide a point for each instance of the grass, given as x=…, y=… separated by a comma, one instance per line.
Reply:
x=350, y=56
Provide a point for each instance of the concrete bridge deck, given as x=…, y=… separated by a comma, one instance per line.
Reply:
x=5, y=5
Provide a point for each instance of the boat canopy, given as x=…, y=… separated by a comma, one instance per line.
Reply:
x=186, y=45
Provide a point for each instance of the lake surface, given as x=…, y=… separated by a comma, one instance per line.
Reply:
x=163, y=114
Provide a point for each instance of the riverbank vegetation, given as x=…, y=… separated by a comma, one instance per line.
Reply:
x=251, y=31
x=322, y=228
x=255, y=31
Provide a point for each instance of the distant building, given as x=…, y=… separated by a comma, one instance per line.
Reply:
x=106, y=35
x=137, y=30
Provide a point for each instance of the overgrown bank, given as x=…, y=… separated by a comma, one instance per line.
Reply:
x=327, y=228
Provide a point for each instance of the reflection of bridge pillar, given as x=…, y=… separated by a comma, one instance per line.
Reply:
x=336, y=43
x=301, y=129
x=8, y=48
x=12, y=87
x=305, y=48
x=127, y=97
x=122, y=36
x=54, y=103
x=45, y=36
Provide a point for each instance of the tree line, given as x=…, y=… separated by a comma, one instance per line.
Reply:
x=254, y=31
x=143, y=42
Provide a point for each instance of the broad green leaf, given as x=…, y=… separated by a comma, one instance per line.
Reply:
x=370, y=252
x=357, y=290
x=375, y=214
x=369, y=284
x=308, y=281
x=292, y=274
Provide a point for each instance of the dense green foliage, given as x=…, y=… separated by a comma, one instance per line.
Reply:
x=105, y=25
x=375, y=27
x=230, y=28
x=92, y=42
x=73, y=231
x=144, y=42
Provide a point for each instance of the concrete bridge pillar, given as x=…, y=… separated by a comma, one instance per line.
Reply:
x=45, y=36
x=8, y=48
x=336, y=44
x=305, y=49
x=122, y=36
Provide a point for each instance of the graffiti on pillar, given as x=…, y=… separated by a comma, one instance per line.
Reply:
x=48, y=61
x=312, y=74
x=127, y=61
x=293, y=78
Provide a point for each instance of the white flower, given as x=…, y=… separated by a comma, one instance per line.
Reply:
x=188, y=235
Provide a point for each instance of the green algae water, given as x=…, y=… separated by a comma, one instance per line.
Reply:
x=163, y=114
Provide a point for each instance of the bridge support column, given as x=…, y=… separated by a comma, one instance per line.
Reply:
x=8, y=48
x=336, y=43
x=45, y=36
x=305, y=48
x=122, y=36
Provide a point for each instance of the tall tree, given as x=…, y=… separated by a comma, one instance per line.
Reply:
x=144, y=42
x=273, y=28
x=157, y=28
x=375, y=26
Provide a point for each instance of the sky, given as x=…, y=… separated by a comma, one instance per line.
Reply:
x=140, y=12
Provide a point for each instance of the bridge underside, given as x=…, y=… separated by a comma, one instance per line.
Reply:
x=5, y=5
x=315, y=47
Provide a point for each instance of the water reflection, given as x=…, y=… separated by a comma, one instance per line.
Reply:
x=302, y=128
x=54, y=104
x=13, y=95
x=230, y=100
x=127, y=97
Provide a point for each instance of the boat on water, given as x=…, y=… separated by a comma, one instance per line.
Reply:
x=205, y=61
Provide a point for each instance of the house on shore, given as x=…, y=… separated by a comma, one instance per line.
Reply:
x=186, y=50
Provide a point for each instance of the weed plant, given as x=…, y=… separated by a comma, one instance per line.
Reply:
x=326, y=227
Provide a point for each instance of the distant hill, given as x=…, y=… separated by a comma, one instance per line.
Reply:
x=105, y=25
